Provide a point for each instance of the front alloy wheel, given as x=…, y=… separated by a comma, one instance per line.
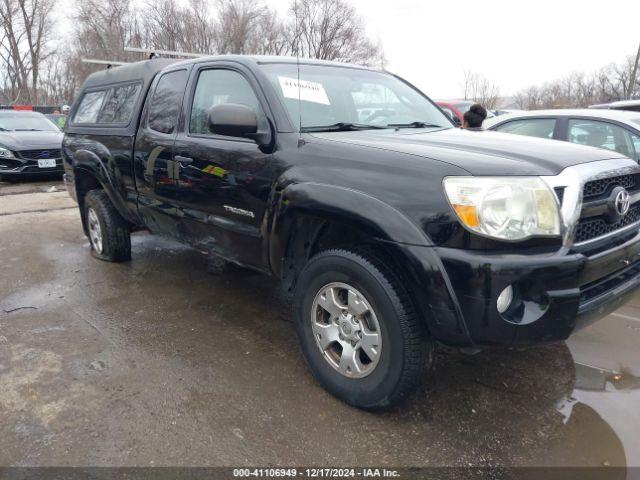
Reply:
x=346, y=330
x=358, y=329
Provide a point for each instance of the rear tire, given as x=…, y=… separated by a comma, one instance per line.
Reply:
x=368, y=347
x=109, y=233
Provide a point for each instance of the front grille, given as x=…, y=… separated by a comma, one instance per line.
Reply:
x=593, y=228
x=38, y=154
x=597, y=191
x=595, y=188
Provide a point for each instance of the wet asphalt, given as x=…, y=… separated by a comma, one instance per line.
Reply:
x=162, y=361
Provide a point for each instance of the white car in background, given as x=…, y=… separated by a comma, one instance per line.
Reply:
x=616, y=130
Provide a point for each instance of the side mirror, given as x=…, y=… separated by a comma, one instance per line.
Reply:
x=456, y=120
x=232, y=120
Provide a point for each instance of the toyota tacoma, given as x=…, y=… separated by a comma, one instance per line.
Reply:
x=392, y=229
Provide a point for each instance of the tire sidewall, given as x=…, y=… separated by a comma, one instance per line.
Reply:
x=377, y=387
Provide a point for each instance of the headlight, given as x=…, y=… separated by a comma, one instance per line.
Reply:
x=506, y=208
x=6, y=153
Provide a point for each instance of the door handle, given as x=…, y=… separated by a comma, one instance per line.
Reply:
x=184, y=160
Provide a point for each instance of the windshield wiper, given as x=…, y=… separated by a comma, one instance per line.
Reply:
x=415, y=125
x=28, y=130
x=342, y=127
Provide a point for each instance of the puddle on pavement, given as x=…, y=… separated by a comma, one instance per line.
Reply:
x=607, y=378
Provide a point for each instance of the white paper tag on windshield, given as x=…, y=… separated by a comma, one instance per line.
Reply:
x=308, y=91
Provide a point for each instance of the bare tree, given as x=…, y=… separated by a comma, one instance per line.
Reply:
x=609, y=83
x=332, y=30
x=250, y=27
x=24, y=45
x=102, y=29
x=170, y=26
x=480, y=90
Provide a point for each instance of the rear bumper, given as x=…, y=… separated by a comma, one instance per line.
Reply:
x=555, y=294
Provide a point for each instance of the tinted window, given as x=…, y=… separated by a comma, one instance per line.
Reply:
x=602, y=135
x=531, y=127
x=166, y=101
x=89, y=107
x=119, y=103
x=216, y=87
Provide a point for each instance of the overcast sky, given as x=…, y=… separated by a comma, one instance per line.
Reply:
x=515, y=43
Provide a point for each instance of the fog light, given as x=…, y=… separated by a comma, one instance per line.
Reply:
x=504, y=299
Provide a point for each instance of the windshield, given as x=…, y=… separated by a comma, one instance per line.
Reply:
x=25, y=122
x=330, y=96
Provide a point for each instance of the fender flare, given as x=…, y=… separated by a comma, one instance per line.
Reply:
x=433, y=292
x=89, y=163
x=355, y=208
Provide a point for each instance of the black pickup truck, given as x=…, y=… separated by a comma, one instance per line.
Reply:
x=391, y=228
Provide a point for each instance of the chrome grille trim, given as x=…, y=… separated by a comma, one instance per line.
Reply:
x=574, y=179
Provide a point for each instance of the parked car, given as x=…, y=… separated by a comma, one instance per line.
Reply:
x=457, y=108
x=29, y=145
x=504, y=111
x=610, y=129
x=631, y=105
x=390, y=236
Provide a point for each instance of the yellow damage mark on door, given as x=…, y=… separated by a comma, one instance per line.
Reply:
x=217, y=171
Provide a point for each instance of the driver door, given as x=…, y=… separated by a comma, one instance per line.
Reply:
x=223, y=182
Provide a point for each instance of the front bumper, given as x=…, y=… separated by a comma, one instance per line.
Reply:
x=555, y=293
x=19, y=167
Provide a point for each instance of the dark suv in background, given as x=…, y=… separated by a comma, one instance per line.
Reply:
x=29, y=145
x=391, y=228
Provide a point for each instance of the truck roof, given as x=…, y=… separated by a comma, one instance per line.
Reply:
x=144, y=71
x=266, y=59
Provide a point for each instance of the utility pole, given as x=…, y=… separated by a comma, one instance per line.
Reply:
x=632, y=80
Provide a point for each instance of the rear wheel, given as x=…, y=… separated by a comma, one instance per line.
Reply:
x=358, y=329
x=109, y=233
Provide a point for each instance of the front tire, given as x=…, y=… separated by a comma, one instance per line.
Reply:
x=358, y=329
x=108, y=232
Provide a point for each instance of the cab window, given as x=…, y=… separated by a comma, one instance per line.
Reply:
x=119, y=103
x=217, y=87
x=595, y=133
x=531, y=127
x=166, y=102
x=89, y=107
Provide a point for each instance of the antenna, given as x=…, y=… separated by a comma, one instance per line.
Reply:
x=295, y=9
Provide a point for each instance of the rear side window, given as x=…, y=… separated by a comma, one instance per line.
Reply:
x=119, y=103
x=166, y=102
x=89, y=107
x=531, y=127
x=602, y=135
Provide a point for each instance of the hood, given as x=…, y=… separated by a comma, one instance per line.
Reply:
x=31, y=140
x=478, y=152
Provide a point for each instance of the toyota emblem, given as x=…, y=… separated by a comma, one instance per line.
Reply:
x=622, y=202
